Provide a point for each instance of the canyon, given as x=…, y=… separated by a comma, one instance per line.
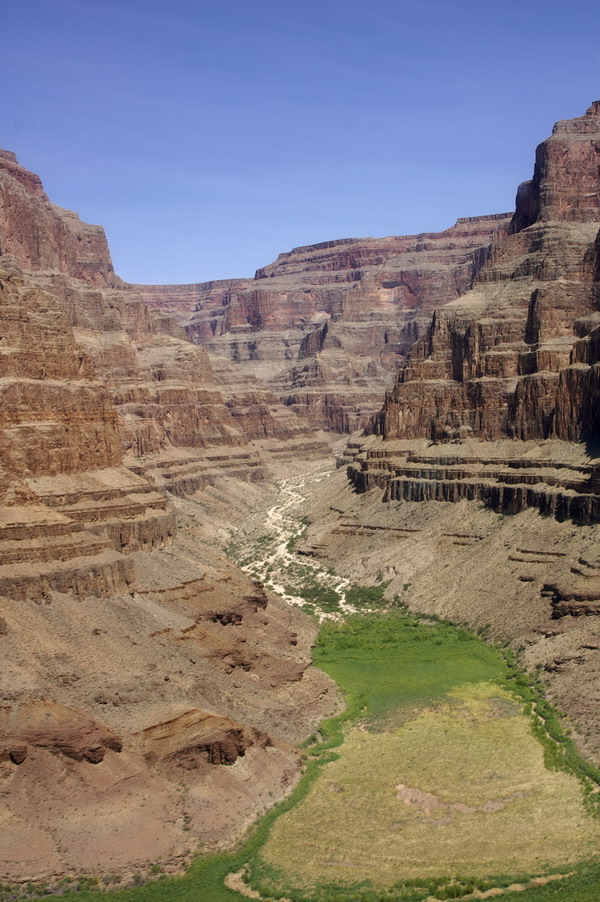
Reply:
x=154, y=691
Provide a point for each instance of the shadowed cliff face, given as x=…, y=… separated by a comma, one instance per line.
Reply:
x=517, y=355
x=326, y=326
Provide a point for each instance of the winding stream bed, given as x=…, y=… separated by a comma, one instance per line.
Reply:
x=265, y=549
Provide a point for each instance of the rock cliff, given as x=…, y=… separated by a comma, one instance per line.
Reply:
x=497, y=403
x=325, y=326
x=516, y=357
x=44, y=237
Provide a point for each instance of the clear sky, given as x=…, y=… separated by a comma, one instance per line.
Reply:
x=207, y=136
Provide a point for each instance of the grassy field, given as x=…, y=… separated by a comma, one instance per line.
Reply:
x=396, y=662
x=443, y=777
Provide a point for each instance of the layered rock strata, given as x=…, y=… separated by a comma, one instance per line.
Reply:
x=162, y=386
x=517, y=355
x=515, y=358
x=557, y=479
x=44, y=237
x=325, y=326
x=122, y=709
x=69, y=510
x=117, y=628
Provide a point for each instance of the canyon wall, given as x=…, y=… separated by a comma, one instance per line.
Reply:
x=136, y=661
x=517, y=355
x=325, y=326
x=508, y=374
x=485, y=451
x=44, y=237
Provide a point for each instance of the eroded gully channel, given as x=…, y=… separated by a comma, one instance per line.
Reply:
x=265, y=549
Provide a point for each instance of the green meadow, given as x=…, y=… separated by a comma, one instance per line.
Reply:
x=435, y=781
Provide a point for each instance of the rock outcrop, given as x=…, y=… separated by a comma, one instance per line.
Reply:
x=44, y=237
x=47, y=725
x=516, y=357
x=196, y=734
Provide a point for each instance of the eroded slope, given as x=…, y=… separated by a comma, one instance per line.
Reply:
x=149, y=689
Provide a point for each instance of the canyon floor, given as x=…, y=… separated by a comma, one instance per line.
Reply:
x=439, y=770
x=443, y=771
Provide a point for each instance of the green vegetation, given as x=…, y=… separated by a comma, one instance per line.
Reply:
x=368, y=596
x=319, y=597
x=582, y=886
x=292, y=542
x=398, y=662
x=560, y=752
x=439, y=778
x=445, y=753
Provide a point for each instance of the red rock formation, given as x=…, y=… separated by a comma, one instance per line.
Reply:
x=44, y=237
x=326, y=325
x=564, y=187
x=517, y=355
x=182, y=301
x=218, y=740
x=163, y=388
x=48, y=725
x=106, y=405
x=92, y=378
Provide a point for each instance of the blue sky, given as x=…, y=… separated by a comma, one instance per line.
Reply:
x=207, y=136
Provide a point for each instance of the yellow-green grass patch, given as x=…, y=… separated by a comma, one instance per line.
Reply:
x=458, y=789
